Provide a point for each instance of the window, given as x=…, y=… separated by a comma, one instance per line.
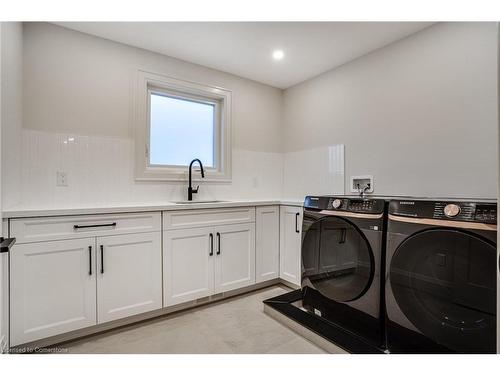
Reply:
x=180, y=130
x=178, y=121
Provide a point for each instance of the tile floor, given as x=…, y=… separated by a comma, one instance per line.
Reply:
x=237, y=325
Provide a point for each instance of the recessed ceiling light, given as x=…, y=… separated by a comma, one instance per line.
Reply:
x=278, y=54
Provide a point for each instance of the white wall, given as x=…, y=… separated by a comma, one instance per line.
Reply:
x=314, y=171
x=420, y=114
x=10, y=121
x=80, y=86
x=12, y=73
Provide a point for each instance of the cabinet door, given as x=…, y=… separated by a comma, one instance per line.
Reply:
x=235, y=256
x=128, y=275
x=53, y=288
x=267, y=245
x=188, y=265
x=290, y=242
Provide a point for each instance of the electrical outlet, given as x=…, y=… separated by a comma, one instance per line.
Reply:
x=61, y=178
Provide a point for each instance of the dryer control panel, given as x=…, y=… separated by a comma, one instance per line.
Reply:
x=342, y=203
x=483, y=212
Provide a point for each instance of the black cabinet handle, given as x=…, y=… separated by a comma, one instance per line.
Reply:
x=102, y=258
x=90, y=260
x=75, y=227
x=6, y=244
x=218, y=243
x=211, y=244
x=297, y=222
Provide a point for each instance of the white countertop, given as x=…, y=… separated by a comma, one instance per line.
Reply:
x=19, y=212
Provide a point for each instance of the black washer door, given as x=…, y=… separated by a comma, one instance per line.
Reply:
x=336, y=258
x=444, y=281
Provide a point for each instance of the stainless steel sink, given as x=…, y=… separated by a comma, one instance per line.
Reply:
x=193, y=202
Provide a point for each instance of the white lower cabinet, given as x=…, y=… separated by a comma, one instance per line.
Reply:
x=200, y=262
x=62, y=281
x=267, y=244
x=235, y=257
x=62, y=285
x=129, y=277
x=188, y=265
x=290, y=244
x=52, y=288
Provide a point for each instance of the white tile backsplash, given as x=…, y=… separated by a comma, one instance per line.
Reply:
x=317, y=171
x=100, y=172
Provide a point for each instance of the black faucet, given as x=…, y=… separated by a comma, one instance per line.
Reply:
x=192, y=191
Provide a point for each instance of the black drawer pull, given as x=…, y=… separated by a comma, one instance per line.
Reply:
x=297, y=222
x=102, y=258
x=6, y=244
x=218, y=243
x=94, y=226
x=90, y=260
x=211, y=244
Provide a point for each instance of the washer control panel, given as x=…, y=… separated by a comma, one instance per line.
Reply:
x=454, y=210
x=487, y=213
x=351, y=204
x=483, y=212
x=361, y=205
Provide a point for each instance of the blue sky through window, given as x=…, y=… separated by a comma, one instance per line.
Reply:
x=181, y=130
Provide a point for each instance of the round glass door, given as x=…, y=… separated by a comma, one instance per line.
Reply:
x=336, y=258
x=444, y=281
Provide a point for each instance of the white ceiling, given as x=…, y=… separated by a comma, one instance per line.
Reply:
x=245, y=48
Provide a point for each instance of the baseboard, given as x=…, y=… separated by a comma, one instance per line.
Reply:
x=289, y=284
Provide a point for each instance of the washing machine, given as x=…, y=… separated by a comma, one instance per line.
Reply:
x=441, y=276
x=342, y=261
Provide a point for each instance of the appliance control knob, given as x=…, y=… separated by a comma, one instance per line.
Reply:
x=451, y=210
x=336, y=203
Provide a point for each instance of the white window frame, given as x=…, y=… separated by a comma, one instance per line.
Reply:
x=148, y=83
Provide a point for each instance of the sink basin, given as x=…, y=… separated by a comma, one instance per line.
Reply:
x=192, y=202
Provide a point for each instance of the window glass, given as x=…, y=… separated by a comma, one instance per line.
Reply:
x=180, y=130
